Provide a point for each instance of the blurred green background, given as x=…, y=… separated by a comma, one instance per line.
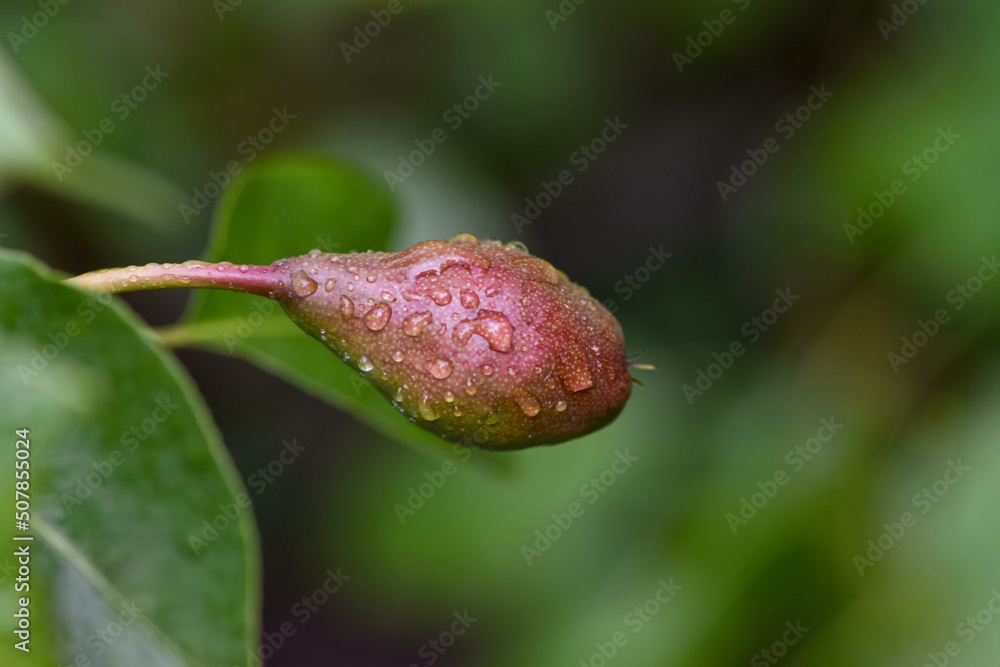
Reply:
x=873, y=210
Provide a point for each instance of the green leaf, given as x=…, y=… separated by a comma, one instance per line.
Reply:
x=286, y=208
x=126, y=468
x=33, y=139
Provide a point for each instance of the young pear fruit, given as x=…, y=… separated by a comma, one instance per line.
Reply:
x=474, y=341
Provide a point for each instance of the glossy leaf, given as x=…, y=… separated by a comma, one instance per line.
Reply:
x=125, y=470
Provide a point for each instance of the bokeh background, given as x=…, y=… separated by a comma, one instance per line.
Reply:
x=913, y=97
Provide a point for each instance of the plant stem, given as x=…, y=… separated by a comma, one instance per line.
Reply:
x=250, y=278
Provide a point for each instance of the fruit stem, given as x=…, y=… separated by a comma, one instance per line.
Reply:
x=250, y=278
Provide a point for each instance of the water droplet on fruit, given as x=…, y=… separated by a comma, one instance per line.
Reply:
x=386, y=296
x=346, y=307
x=468, y=298
x=415, y=323
x=470, y=388
x=371, y=279
x=244, y=268
x=491, y=325
x=427, y=412
x=487, y=370
x=517, y=245
x=133, y=279
x=441, y=368
x=464, y=239
x=365, y=365
x=448, y=396
x=550, y=382
x=529, y=404
x=350, y=287
x=525, y=302
x=440, y=296
x=303, y=285
x=492, y=290
x=397, y=356
x=560, y=406
x=573, y=370
x=378, y=317
x=330, y=284
x=411, y=296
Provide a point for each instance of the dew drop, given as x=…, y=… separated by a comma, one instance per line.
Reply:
x=365, y=365
x=350, y=287
x=440, y=296
x=133, y=279
x=487, y=370
x=470, y=388
x=464, y=239
x=330, y=284
x=440, y=368
x=378, y=317
x=346, y=307
x=550, y=382
x=529, y=404
x=525, y=302
x=244, y=268
x=427, y=412
x=371, y=279
x=397, y=356
x=492, y=290
x=415, y=323
x=517, y=245
x=468, y=298
x=491, y=325
x=411, y=296
x=572, y=368
x=450, y=397
x=386, y=296
x=560, y=406
x=303, y=285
